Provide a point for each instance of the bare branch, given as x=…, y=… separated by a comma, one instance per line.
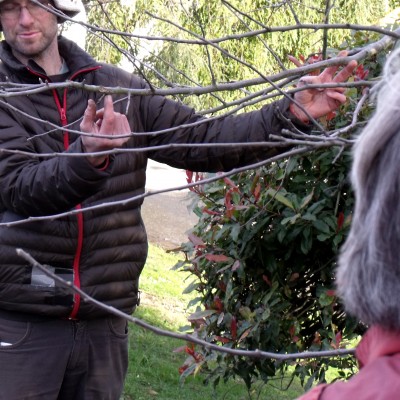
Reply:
x=310, y=146
x=186, y=337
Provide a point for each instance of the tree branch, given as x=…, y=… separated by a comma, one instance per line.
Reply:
x=186, y=337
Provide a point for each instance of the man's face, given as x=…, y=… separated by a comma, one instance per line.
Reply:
x=29, y=29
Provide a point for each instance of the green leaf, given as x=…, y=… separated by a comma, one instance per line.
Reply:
x=280, y=197
x=291, y=165
x=321, y=226
x=280, y=174
x=198, y=211
x=281, y=235
x=235, y=231
x=331, y=221
x=306, y=242
x=193, y=286
x=325, y=300
x=338, y=239
x=291, y=219
x=309, y=217
x=266, y=314
x=315, y=208
x=310, y=382
x=221, y=231
x=229, y=290
x=306, y=200
x=201, y=314
x=323, y=237
x=246, y=313
x=194, y=301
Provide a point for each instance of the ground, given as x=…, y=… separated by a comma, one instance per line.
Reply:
x=166, y=215
x=167, y=220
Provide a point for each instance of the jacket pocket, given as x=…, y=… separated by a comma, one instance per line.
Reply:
x=56, y=293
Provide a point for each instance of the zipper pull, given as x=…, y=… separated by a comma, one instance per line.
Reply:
x=63, y=117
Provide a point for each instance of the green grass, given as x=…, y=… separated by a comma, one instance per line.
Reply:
x=153, y=363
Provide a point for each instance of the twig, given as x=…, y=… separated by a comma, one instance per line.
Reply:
x=292, y=152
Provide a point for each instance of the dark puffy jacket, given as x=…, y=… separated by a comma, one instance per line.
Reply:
x=103, y=250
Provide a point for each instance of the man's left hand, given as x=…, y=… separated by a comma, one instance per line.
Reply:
x=318, y=102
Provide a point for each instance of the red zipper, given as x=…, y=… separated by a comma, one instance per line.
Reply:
x=79, y=216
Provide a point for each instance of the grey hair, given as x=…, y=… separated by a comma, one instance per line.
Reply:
x=368, y=274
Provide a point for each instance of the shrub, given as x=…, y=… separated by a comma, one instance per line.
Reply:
x=263, y=256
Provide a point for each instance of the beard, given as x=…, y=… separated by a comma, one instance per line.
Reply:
x=34, y=42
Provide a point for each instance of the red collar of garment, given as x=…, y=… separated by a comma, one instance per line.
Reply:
x=377, y=342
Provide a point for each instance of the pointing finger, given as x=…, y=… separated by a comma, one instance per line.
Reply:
x=108, y=117
x=346, y=72
x=108, y=106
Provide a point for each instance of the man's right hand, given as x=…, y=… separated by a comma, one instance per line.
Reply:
x=107, y=123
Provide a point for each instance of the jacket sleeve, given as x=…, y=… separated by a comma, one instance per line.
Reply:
x=34, y=185
x=162, y=114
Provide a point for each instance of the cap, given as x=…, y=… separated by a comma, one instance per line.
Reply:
x=68, y=7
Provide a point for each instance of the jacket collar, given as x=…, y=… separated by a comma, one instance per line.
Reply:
x=76, y=59
x=377, y=342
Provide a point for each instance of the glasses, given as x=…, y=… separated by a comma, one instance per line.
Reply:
x=13, y=10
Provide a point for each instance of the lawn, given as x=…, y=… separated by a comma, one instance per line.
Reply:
x=153, y=368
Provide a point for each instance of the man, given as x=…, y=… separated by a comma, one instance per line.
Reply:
x=52, y=344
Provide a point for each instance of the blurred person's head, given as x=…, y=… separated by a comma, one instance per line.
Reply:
x=368, y=276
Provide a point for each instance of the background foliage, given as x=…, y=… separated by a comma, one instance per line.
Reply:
x=166, y=62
